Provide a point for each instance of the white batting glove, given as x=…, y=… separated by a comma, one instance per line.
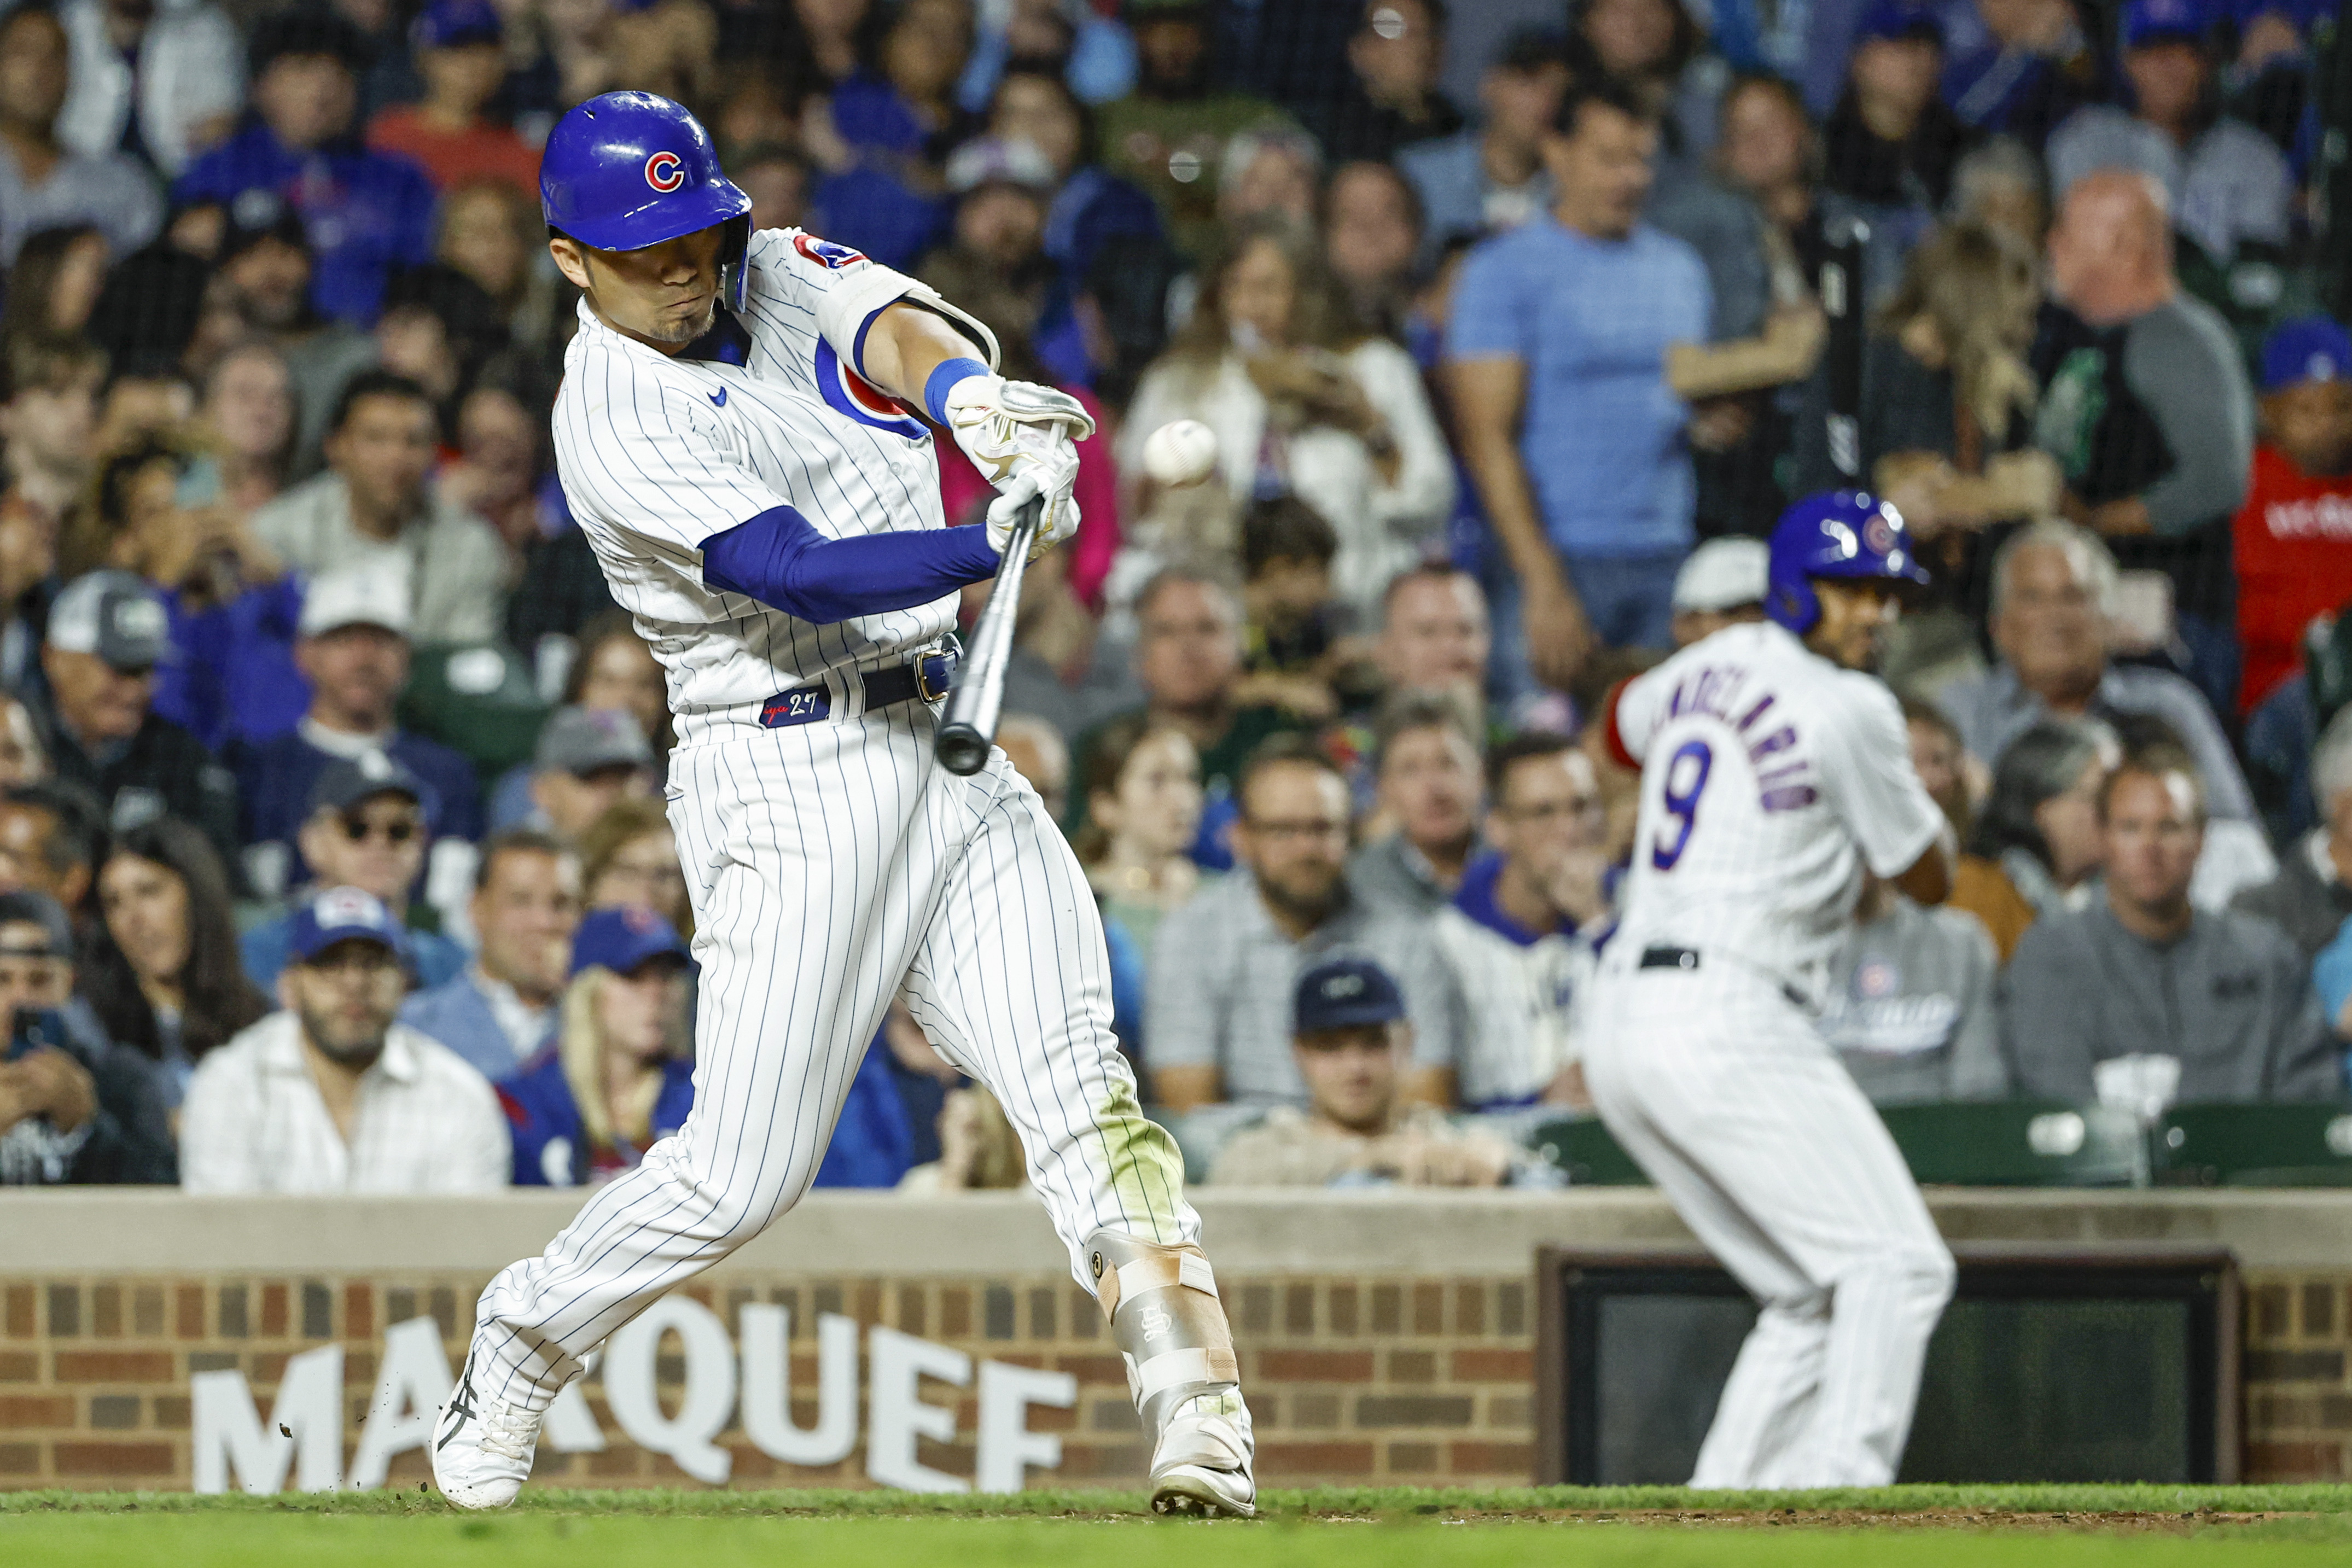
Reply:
x=1023, y=438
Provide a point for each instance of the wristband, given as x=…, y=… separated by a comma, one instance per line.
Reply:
x=943, y=381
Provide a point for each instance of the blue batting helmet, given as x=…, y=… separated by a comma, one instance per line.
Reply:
x=629, y=170
x=1839, y=533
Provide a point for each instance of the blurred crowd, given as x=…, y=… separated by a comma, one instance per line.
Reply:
x=333, y=855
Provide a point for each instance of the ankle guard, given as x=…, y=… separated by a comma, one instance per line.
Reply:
x=1166, y=1319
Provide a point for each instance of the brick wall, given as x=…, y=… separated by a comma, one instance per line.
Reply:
x=2298, y=1400
x=1359, y=1379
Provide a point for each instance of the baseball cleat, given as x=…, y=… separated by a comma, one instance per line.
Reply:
x=1201, y=1466
x=481, y=1448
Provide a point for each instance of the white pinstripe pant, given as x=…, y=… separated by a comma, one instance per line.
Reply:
x=830, y=864
x=1728, y=1096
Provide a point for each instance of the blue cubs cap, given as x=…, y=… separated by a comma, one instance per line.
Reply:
x=1345, y=993
x=454, y=24
x=2161, y=21
x=1898, y=19
x=621, y=939
x=2311, y=349
x=342, y=914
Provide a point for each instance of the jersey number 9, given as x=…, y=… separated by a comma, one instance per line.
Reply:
x=1687, y=773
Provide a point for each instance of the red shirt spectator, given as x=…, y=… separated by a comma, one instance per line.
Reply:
x=461, y=54
x=2295, y=532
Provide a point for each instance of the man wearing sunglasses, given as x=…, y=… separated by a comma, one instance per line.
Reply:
x=370, y=825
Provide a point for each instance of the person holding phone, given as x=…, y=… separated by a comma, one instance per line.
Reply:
x=75, y=1107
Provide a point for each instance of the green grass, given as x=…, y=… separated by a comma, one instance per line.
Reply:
x=1922, y=1527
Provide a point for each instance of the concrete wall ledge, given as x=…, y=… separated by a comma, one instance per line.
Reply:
x=135, y=1231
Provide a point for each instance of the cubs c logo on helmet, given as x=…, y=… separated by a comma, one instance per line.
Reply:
x=825, y=253
x=1878, y=535
x=665, y=173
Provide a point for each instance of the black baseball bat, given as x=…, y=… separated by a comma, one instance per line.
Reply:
x=1842, y=297
x=969, y=727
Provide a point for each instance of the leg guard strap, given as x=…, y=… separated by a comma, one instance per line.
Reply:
x=1166, y=1319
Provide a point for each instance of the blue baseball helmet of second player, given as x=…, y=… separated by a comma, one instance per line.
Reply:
x=629, y=170
x=1839, y=533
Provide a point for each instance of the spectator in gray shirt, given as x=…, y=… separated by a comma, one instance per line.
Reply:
x=376, y=506
x=2311, y=898
x=1224, y=967
x=2053, y=586
x=2228, y=181
x=1426, y=772
x=42, y=184
x=2142, y=998
x=1910, y=1006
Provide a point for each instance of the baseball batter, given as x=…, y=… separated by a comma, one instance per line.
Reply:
x=734, y=435
x=1773, y=770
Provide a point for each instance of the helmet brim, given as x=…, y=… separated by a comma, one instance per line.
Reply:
x=661, y=218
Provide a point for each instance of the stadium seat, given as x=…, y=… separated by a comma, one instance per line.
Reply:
x=477, y=697
x=2255, y=1145
x=1582, y=1147
x=2020, y=1143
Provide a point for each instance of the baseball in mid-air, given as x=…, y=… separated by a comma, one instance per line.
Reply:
x=1182, y=452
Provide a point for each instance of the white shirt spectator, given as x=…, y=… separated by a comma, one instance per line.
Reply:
x=190, y=76
x=254, y=1120
x=1518, y=1001
x=1382, y=527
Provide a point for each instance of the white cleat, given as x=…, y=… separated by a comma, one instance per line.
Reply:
x=481, y=1448
x=1201, y=1466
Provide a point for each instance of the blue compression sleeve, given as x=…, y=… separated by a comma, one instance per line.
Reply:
x=943, y=382
x=780, y=559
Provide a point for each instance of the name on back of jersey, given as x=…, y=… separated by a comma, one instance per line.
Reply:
x=1727, y=693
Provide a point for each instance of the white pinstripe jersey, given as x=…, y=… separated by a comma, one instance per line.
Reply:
x=658, y=453
x=1770, y=777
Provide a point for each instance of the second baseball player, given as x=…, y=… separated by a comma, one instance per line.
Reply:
x=1774, y=770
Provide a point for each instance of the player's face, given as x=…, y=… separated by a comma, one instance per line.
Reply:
x=1856, y=617
x=665, y=294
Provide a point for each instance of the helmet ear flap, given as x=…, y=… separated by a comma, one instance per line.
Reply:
x=734, y=270
x=1794, y=605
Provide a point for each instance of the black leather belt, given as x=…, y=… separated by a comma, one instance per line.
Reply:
x=928, y=677
x=1687, y=959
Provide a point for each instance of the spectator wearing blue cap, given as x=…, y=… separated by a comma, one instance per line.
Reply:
x=1891, y=143
x=459, y=47
x=366, y=212
x=2228, y=182
x=1353, y=1048
x=618, y=1076
x=333, y=1095
x=2031, y=68
x=370, y=826
x=2292, y=537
